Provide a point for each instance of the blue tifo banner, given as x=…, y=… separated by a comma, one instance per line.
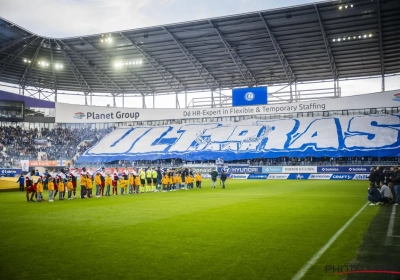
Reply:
x=300, y=176
x=249, y=96
x=340, y=136
x=343, y=169
x=9, y=172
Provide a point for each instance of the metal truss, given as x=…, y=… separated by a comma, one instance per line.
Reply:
x=13, y=42
x=52, y=69
x=285, y=64
x=143, y=89
x=39, y=88
x=174, y=83
x=327, y=46
x=244, y=71
x=78, y=76
x=211, y=82
x=9, y=59
x=25, y=77
x=107, y=83
x=381, y=46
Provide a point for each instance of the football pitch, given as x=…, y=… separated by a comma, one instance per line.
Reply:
x=257, y=229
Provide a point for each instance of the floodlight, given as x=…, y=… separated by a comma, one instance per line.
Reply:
x=39, y=62
x=24, y=60
x=370, y=35
x=29, y=61
x=359, y=36
x=346, y=6
x=140, y=62
x=344, y=38
x=334, y=40
x=365, y=36
x=338, y=39
x=348, y=38
x=340, y=7
x=354, y=37
x=102, y=40
x=47, y=64
x=61, y=66
x=351, y=5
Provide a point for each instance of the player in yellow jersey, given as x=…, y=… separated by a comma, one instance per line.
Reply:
x=83, y=185
x=148, y=179
x=70, y=188
x=108, y=183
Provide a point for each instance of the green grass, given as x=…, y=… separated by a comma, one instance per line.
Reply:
x=251, y=230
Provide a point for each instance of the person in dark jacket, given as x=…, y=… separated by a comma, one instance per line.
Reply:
x=380, y=176
x=21, y=181
x=396, y=183
x=374, y=195
x=214, y=176
x=372, y=175
x=223, y=179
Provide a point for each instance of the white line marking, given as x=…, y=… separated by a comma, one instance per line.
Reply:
x=391, y=223
x=321, y=251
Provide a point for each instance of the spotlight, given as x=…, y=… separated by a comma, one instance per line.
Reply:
x=334, y=40
x=370, y=35
x=344, y=38
x=359, y=36
x=39, y=62
x=340, y=7
x=348, y=38
x=61, y=66
x=338, y=40
x=346, y=6
x=351, y=5
x=102, y=40
x=140, y=62
x=29, y=61
x=365, y=36
x=47, y=64
x=25, y=60
x=354, y=37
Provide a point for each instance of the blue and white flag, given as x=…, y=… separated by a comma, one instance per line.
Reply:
x=249, y=96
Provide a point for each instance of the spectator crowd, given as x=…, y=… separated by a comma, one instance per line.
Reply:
x=57, y=144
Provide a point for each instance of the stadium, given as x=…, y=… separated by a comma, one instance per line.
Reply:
x=261, y=145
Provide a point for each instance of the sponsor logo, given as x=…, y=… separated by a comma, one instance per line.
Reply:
x=396, y=97
x=79, y=115
x=239, y=176
x=202, y=170
x=278, y=176
x=249, y=96
x=272, y=169
x=330, y=169
x=258, y=176
x=359, y=169
x=360, y=177
x=233, y=169
x=342, y=177
x=298, y=176
x=320, y=176
x=10, y=171
x=300, y=169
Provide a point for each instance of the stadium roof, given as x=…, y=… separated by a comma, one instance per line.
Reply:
x=326, y=40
